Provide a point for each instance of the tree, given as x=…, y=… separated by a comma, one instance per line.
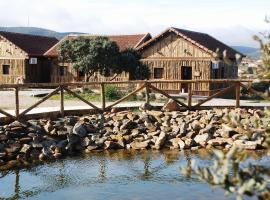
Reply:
x=130, y=62
x=99, y=54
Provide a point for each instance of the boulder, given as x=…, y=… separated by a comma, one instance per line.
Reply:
x=170, y=106
x=160, y=141
x=25, y=149
x=249, y=145
x=79, y=129
x=202, y=139
x=140, y=145
x=111, y=145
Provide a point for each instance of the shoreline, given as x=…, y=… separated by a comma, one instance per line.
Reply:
x=23, y=144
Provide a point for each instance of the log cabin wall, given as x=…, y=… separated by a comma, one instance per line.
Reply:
x=172, y=53
x=12, y=62
x=71, y=75
x=62, y=72
x=38, y=73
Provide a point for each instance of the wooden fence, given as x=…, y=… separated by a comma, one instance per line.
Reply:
x=234, y=85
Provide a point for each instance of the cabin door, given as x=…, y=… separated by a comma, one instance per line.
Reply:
x=186, y=74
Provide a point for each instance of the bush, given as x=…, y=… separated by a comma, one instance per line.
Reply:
x=112, y=93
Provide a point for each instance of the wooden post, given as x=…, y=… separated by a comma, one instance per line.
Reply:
x=190, y=95
x=17, y=109
x=147, y=96
x=62, y=109
x=237, y=95
x=102, y=96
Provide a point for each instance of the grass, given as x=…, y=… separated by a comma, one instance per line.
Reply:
x=87, y=96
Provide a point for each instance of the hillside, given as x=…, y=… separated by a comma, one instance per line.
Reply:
x=37, y=31
x=249, y=51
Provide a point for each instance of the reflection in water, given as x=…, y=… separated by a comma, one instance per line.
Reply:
x=109, y=167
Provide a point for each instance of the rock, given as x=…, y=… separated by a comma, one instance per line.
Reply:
x=249, y=145
x=91, y=148
x=227, y=131
x=73, y=139
x=111, y=145
x=196, y=125
x=183, y=129
x=25, y=149
x=175, y=143
x=220, y=141
x=181, y=144
x=155, y=113
x=86, y=142
x=140, y=145
x=71, y=120
x=170, y=106
x=189, y=143
x=49, y=126
x=145, y=106
x=79, y=129
x=202, y=139
x=160, y=141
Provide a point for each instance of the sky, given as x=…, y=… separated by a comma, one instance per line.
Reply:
x=231, y=21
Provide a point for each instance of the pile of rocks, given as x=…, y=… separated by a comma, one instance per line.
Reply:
x=22, y=143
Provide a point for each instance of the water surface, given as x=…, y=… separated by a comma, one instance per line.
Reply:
x=115, y=175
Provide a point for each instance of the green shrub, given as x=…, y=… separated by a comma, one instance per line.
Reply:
x=112, y=93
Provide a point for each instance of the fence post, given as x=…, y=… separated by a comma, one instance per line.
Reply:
x=17, y=109
x=62, y=109
x=102, y=96
x=189, y=95
x=147, y=97
x=237, y=94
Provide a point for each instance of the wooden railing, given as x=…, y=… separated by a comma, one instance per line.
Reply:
x=234, y=85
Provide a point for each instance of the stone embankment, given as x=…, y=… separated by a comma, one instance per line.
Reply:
x=23, y=143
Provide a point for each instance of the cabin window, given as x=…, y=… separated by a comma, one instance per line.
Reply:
x=215, y=69
x=215, y=73
x=158, y=73
x=63, y=70
x=222, y=72
x=6, y=69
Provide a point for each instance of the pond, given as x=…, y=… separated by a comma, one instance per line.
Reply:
x=115, y=175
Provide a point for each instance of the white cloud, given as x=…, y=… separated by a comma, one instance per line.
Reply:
x=229, y=20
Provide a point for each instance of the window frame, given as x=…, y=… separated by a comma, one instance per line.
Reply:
x=161, y=73
x=62, y=70
x=4, y=69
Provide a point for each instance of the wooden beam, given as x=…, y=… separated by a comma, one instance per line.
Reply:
x=102, y=96
x=168, y=96
x=215, y=95
x=190, y=95
x=147, y=96
x=6, y=114
x=17, y=105
x=55, y=85
x=40, y=101
x=82, y=99
x=125, y=97
x=237, y=95
x=62, y=109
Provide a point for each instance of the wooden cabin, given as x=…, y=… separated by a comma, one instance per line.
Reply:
x=64, y=72
x=22, y=59
x=178, y=54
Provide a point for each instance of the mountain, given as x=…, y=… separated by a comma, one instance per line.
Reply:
x=249, y=51
x=37, y=31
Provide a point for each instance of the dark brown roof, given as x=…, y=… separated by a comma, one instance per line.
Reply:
x=123, y=41
x=202, y=40
x=33, y=45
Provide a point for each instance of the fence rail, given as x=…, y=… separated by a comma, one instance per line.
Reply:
x=234, y=85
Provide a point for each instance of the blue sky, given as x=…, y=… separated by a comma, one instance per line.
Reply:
x=232, y=21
